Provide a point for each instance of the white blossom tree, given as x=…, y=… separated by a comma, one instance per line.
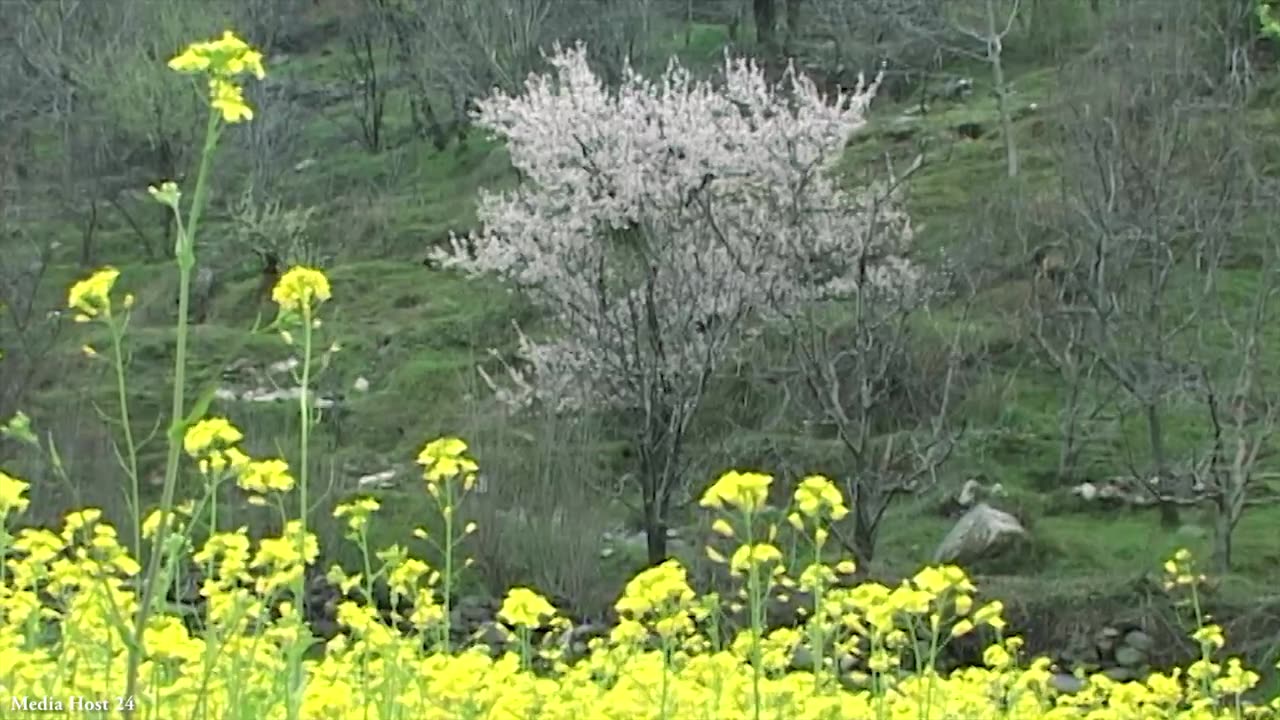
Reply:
x=657, y=224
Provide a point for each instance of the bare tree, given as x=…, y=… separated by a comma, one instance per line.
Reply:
x=997, y=18
x=1242, y=418
x=1154, y=180
x=1058, y=321
x=848, y=37
x=453, y=51
x=370, y=48
x=121, y=123
x=864, y=379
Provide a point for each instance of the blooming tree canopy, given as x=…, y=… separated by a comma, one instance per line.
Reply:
x=654, y=218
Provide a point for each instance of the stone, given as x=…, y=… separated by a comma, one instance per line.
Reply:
x=378, y=480
x=980, y=532
x=1139, y=640
x=1120, y=674
x=1067, y=684
x=492, y=635
x=1130, y=657
x=1086, y=491
x=802, y=658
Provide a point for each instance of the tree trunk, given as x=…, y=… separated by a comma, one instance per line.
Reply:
x=1155, y=436
x=766, y=22
x=864, y=536
x=87, y=235
x=655, y=532
x=793, y=25
x=1223, y=528
x=1070, y=423
x=995, y=52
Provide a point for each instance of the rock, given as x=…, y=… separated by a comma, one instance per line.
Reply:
x=378, y=480
x=473, y=610
x=1064, y=683
x=265, y=395
x=283, y=366
x=1086, y=491
x=802, y=658
x=493, y=636
x=981, y=532
x=1120, y=674
x=971, y=493
x=1130, y=657
x=1139, y=640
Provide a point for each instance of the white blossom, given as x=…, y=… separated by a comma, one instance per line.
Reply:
x=655, y=219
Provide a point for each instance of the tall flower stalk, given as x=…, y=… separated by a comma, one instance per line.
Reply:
x=222, y=61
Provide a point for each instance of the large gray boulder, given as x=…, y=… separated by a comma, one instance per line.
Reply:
x=981, y=532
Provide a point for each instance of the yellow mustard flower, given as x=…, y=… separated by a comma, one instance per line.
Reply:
x=1210, y=636
x=659, y=590
x=1180, y=570
x=446, y=458
x=749, y=556
x=357, y=512
x=228, y=99
x=817, y=495
x=1237, y=681
x=92, y=295
x=263, y=476
x=11, y=494
x=210, y=434
x=228, y=56
x=744, y=491
x=525, y=608
x=299, y=288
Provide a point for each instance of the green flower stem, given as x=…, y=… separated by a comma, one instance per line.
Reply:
x=186, y=259
x=447, y=511
x=756, y=602
x=131, y=448
x=666, y=677
x=817, y=638
x=304, y=442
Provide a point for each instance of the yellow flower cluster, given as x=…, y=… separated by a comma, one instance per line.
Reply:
x=744, y=491
x=357, y=513
x=212, y=443
x=223, y=60
x=817, y=496
x=77, y=581
x=263, y=476
x=301, y=289
x=525, y=608
x=1180, y=570
x=445, y=459
x=12, y=491
x=92, y=296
